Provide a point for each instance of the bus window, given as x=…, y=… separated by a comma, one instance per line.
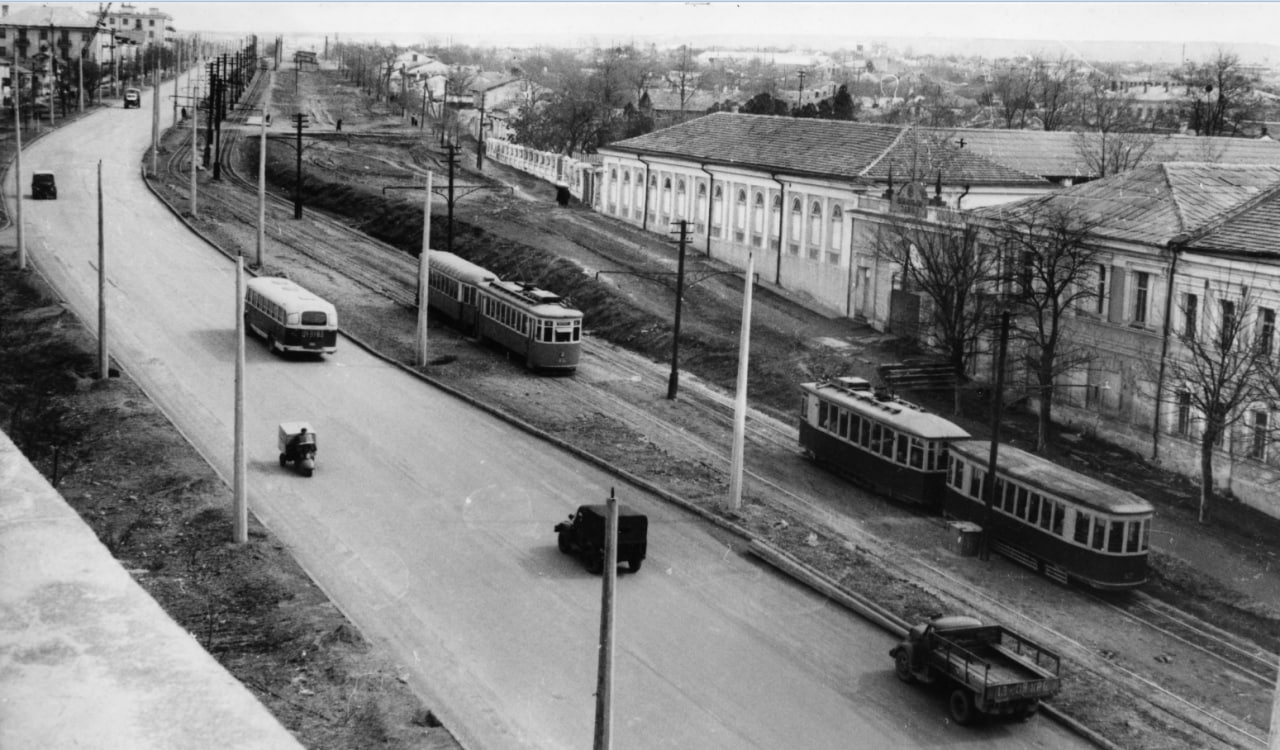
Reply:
x=1083, y=523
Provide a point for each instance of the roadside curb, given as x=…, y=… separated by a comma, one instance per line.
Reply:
x=776, y=558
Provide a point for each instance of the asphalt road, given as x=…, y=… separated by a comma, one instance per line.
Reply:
x=430, y=523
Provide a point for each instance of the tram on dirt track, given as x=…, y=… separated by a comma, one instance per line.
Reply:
x=887, y=444
x=1063, y=524
x=534, y=323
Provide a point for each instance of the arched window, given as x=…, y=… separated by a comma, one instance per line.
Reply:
x=652, y=198
x=740, y=217
x=717, y=211
x=638, y=204
x=797, y=224
x=700, y=208
x=815, y=230
x=681, y=200
x=835, y=235
x=666, y=197
x=775, y=221
x=757, y=221
x=626, y=191
x=613, y=190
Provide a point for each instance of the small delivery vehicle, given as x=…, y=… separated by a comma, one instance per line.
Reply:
x=584, y=535
x=297, y=446
x=987, y=669
x=44, y=185
x=132, y=98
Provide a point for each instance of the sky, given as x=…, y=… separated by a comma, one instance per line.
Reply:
x=1220, y=22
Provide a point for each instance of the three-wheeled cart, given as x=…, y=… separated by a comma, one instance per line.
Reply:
x=297, y=445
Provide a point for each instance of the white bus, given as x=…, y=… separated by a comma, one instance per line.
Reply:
x=289, y=317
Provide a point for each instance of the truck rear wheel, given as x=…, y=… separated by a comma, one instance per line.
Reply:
x=902, y=666
x=962, y=709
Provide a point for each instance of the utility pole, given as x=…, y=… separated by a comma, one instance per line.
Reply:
x=800, y=101
x=452, y=151
x=155, y=122
x=195, y=137
x=424, y=276
x=673, y=382
x=480, y=136
x=104, y=363
x=240, y=523
x=740, y=396
x=17, y=168
x=262, y=181
x=604, y=673
x=997, y=402
x=300, y=122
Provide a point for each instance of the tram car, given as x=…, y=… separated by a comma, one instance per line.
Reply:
x=885, y=443
x=453, y=286
x=533, y=323
x=1063, y=524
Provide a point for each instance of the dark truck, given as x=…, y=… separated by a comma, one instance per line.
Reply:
x=584, y=535
x=989, y=669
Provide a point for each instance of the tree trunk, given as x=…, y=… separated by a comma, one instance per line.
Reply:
x=1206, y=473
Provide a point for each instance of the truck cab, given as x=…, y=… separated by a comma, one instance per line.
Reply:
x=584, y=535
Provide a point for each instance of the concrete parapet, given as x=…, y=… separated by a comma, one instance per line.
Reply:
x=87, y=657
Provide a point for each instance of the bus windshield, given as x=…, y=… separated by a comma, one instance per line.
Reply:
x=314, y=318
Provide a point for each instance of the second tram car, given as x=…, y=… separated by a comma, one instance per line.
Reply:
x=454, y=286
x=890, y=445
x=1065, y=525
x=289, y=317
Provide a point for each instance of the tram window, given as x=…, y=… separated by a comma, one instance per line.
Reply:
x=975, y=483
x=903, y=443
x=1099, y=533
x=1020, y=510
x=957, y=474
x=1033, y=508
x=997, y=493
x=916, y=458
x=1010, y=492
x=886, y=444
x=844, y=424
x=855, y=427
x=565, y=334
x=1047, y=509
x=1083, y=522
x=865, y=434
x=1115, y=542
x=1059, y=515
x=822, y=414
x=930, y=456
x=836, y=415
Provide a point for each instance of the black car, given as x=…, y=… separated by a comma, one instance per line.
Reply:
x=584, y=535
x=43, y=185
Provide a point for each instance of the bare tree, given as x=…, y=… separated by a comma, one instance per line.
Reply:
x=1047, y=256
x=684, y=75
x=1056, y=84
x=1221, y=366
x=1012, y=90
x=1113, y=140
x=1222, y=96
x=945, y=261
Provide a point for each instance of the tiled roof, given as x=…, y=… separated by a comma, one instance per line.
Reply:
x=1057, y=153
x=1251, y=231
x=1158, y=203
x=855, y=151
x=58, y=16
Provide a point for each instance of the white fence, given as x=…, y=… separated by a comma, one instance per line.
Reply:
x=579, y=176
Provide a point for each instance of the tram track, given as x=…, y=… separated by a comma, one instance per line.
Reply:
x=391, y=273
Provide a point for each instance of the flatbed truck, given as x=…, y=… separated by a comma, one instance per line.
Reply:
x=988, y=669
